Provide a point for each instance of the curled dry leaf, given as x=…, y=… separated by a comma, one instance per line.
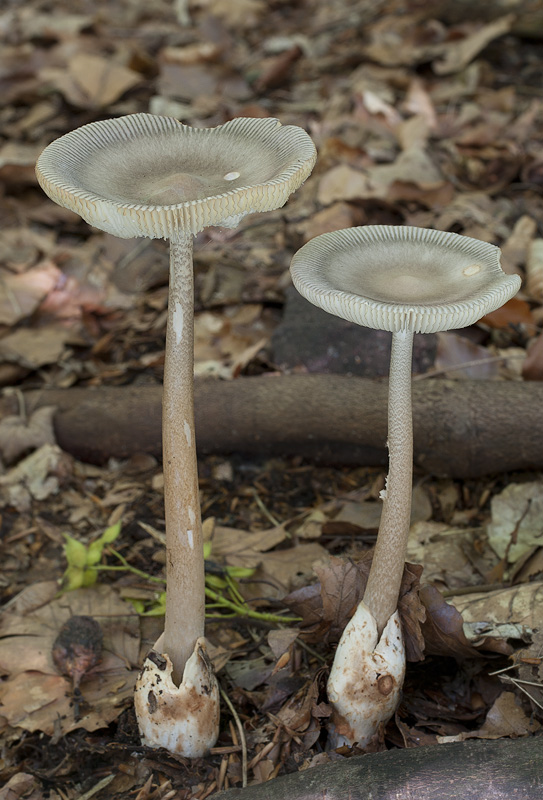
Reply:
x=36, y=477
x=327, y=606
x=22, y=786
x=412, y=613
x=19, y=435
x=443, y=628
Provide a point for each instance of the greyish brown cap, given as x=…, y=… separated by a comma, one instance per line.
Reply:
x=402, y=278
x=144, y=175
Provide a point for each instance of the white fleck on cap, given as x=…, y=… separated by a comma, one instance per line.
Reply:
x=145, y=175
x=402, y=278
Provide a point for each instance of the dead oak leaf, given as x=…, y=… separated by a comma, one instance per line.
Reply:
x=443, y=628
x=341, y=590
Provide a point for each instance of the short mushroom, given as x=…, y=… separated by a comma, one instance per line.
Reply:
x=404, y=280
x=145, y=175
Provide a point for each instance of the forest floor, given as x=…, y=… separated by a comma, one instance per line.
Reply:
x=419, y=118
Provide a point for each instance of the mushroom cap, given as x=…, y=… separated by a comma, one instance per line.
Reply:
x=402, y=278
x=145, y=175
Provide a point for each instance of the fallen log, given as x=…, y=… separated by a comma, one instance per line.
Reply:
x=462, y=428
x=474, y=770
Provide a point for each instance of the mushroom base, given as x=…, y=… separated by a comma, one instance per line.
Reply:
x=182, y=719
x=366, y=678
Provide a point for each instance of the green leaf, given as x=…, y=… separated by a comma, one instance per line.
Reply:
x=240, y=572
x=90, y=576
x=75, y=552
x=94, y=552
x=110, y=534
x=72, y=579
x=215, y=582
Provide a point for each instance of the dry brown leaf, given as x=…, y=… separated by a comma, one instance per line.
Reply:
x=336, y=217
x=101, y=80
x=281, y=639
x=412, y=613
x=34, y=696
x=341, y=590
x=514, y=249
x=293, y=566
x=506, y=717
x=33, y=349
x=19, y=435
x=311, y=527
x=441, y=551
x=515, y=527
x=343, y=183
x=514, y=312
x=244, y=549
x=522, y=605
x=36, y=476
x=22, y=786
x=21, y=294
x=443, y=629
x=455, y=350
x=458, y=54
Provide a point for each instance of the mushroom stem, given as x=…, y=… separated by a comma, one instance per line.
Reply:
x=384, y=581
x=185, y=587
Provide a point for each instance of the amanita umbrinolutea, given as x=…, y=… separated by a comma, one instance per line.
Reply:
x=403, y=280
x=144, y=175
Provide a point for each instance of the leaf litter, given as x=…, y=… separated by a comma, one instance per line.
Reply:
x=418, y=121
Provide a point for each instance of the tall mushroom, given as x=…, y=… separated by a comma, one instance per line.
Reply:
x=404, y=280
x=144, y=175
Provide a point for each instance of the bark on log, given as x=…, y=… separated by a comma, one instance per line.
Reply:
x=504, y=769
x=462, y=428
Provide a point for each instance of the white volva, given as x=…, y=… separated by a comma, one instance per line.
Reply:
x=183, y=719
x=366, y=678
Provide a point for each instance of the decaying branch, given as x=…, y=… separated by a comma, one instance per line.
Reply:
x=474, y=770
x=462, y=428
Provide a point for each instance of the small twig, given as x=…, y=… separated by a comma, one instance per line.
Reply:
x=481, y=589
x=465, y=365
x=269, y=516
x=97, y=788
x=242, y=738
x=516, y=683
x=310, y=650
x=504, y=669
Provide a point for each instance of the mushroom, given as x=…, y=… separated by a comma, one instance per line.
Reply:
x=145, y=175
x=404, y=280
